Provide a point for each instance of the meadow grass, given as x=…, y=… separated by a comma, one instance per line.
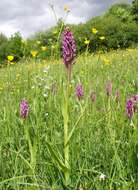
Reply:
x=104, y=141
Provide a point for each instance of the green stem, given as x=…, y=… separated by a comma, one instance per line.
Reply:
x=33, y=151
x=66, y=154
x=66, y=116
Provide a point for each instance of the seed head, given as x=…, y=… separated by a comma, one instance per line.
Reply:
x=93, y=96
x=109, y=89
x=117, y=96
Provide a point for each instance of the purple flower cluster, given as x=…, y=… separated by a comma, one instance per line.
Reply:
x=24, y=109
x=68, y=47
x=79, y=91
x=131, y=106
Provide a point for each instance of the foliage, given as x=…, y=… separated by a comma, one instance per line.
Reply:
x=103, y=141
x=3, y=47
x=135, y=10
x=122, y=11
x=15, y=46
x=116, y=29
x=116, y=25
x=12, y=46
x=3, y=38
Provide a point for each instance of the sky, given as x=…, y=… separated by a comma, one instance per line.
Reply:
x=30, y=16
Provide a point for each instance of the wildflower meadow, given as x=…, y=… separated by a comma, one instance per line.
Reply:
x=69, y=114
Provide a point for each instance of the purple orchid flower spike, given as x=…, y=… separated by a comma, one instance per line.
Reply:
x=132, y=106
x=68, y=50
x=24, y=109
x=79, y=91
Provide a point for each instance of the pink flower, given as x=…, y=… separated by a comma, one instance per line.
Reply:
x=68, y=47
x=132, y=106
x=79, y=91
x=24, y=109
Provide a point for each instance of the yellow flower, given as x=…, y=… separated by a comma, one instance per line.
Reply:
x=44, y=48
x=102, y=37
x=12, y=63
x=34, y=53
x=53, y=47
x=106, y=61
x=94, y=31
x=130, y=49
x=10, y=57
x=66, y=8
x=38, y=42
x=87, y=41
x=18, y=75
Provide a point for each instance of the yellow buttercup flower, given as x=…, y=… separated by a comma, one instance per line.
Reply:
x=53, y=47
x=94, y=31
x=44, y=48
x=102, y=37
x=38, y=42
x=106, y=61
x=34, y=53
x=66, y=8
x=10, y=57
x=87, y=41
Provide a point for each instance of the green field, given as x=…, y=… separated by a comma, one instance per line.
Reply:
x=103, y=150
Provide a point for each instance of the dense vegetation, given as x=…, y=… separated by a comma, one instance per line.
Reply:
x=71, y=126
x=117, y=28
x=104, y=146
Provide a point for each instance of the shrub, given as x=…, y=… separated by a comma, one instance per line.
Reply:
x=15, y=46
x=134, y=10
x=3, y=47
x=116, y=25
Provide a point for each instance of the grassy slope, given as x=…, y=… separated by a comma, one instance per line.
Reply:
x=104, y=142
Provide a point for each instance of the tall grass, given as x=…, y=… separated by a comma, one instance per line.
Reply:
x=104, y=141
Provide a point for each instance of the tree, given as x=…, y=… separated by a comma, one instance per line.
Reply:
x=135, y=10
x=3, y=38
x=121, y=11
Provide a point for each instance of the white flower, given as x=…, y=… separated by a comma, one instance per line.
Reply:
x=72, y=81
x=39, y=84
x=46, y=87
x=46, y=69
x=46, y=114
x=45, y=95
x=102, y=177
